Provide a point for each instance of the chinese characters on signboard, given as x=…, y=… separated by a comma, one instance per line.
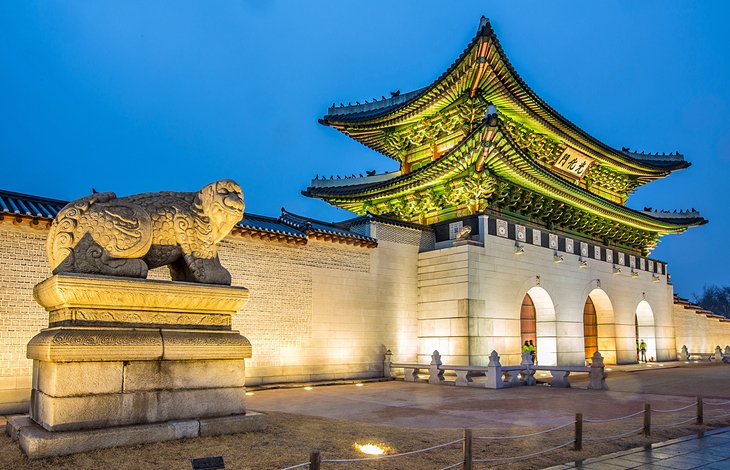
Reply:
x=573, y=163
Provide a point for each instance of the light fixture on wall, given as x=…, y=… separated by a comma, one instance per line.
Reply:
x=635, y=274
x=655, y=278
x=616, y=270
x=558, y=258
x=582, y=264
x=519, y=249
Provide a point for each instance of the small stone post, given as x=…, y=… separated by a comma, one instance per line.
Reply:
x=700, y=414
x=315, y=460
x=494, y=371
x=684, y=353
x=387, y=361
x=718, y=353
x=647, y=419
x=528, y=375
x=435, y=374
x=578, y=440
x=467, y=450
x=597, y=374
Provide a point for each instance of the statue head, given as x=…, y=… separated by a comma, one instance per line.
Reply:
x=222, y=202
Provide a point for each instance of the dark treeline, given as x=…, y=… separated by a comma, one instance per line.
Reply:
x=714, y=298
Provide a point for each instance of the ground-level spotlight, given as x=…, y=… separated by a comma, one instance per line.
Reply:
x=249, y=394
x=370, y=449
x=307, y=388
x=358, y=385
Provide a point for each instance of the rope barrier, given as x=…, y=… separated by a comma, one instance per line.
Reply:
x=615, y=436
x=675, y=410
x=297, y=466
x=413, y=452
x=694, y=418
x=525, y=435
x=457, y=464
x=716, y=404
x=503, y=459
x=717, y=416
x=613, y=419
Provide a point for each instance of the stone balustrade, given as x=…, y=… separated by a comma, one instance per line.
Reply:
x=718, y=355
x=496, y=375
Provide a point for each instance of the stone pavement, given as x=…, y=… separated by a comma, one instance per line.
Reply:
x=712, y=451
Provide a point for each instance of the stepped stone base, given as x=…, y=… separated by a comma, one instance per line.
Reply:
x=38, y=443
x=130, y=361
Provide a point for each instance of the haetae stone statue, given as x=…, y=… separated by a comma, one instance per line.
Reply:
x=127, y=360
x=103, y=234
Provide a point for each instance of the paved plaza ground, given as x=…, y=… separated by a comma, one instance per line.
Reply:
x=411, y=416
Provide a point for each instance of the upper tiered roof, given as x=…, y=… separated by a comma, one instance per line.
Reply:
x=483, y=71
x=478, y=137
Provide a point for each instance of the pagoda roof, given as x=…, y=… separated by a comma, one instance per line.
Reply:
x=511, y=163
x=484, y=68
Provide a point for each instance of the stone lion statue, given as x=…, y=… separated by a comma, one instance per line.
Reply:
x=103, y=234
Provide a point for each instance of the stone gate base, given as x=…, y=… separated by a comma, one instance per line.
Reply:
x=38, y=443
x=128, y=361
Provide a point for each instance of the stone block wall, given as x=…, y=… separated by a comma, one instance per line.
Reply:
x=470, y=297
x=22, y=265
x=698, y=332
x=320, y=311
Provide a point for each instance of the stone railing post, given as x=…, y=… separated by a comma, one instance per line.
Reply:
x=435, y=375
x=597, y=374
x=718, y=353
x=387, y=361
x=528, y=374
x=494, y=372
x=684, y=353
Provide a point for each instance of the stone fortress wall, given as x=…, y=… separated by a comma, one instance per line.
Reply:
x=327, y=310
x=319, y=311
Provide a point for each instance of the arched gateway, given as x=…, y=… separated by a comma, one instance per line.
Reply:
x=599, y=329
x=645, y=329
x=538, y=322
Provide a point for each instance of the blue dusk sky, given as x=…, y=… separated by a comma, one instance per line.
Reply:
x=139, y=96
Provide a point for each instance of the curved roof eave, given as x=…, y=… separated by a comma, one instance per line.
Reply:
x=394, y=105
x=419, y=179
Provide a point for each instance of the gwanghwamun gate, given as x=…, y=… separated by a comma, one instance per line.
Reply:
x=505, y=222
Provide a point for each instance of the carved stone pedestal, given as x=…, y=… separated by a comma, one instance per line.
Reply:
x=131, y=352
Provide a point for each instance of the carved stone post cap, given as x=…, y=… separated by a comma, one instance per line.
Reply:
x=597, y=360
x=91, y=300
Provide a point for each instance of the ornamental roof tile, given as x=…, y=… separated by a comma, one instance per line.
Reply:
x=306, y=225
x=288, y=224
x=30, y=206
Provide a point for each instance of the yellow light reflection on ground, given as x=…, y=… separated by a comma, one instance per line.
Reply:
x=370, y=449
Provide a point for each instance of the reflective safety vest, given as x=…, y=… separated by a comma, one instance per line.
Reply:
x=642, y=346
x=525, y=347
x=531, y=348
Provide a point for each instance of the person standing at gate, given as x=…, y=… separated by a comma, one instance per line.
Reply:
x=533, y=352
x=642, y=348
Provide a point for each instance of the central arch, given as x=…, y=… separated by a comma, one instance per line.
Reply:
x=545, y=322
x=645, y=328
x=599, y=326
